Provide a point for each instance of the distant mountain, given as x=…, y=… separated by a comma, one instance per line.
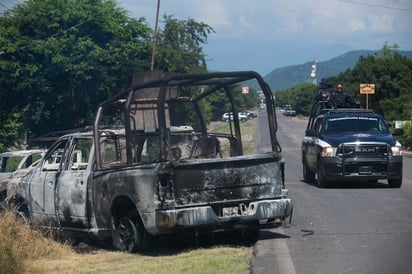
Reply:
x=286, y=77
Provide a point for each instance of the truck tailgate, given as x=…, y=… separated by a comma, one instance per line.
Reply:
x=242, y=178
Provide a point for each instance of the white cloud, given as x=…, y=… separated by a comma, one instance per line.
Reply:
x=212, y=13
x=356, y=25
x=276, y=27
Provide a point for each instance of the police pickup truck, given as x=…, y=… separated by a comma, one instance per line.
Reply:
x=350, y=144
x=152, y=165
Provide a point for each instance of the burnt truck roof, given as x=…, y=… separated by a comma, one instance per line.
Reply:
x=218, y=79
x=146, y=105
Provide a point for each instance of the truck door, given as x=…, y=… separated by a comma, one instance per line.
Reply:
x=43, y=183
x=312, y=146
x=71, y=191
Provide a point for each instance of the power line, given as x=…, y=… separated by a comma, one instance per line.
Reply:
x=374, y=5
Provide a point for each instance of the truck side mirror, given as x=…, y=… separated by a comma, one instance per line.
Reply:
x=311, y=132
x=397, y=132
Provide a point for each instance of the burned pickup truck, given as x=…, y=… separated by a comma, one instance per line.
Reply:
x=154, y=164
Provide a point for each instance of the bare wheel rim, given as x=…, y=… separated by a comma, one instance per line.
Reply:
x=126, y=235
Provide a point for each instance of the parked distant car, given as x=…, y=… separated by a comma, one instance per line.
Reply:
x=289, y=111
x=250, y=114
x=16, y=164
x=243, y=116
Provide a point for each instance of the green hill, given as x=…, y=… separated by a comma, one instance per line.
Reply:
x=286, y=77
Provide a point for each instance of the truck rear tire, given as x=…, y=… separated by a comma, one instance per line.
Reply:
x=129, y=235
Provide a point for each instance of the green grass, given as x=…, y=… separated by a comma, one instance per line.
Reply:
x=247, y=130
x=24, y=250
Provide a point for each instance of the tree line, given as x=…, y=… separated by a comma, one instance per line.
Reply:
x=387, y=69
x=60, y=58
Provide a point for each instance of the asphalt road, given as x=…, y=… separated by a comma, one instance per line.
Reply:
x=347, y=228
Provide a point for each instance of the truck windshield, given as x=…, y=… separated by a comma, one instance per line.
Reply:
x=357, y=124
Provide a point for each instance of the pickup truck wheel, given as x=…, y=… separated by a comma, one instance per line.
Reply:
x=130, y=236
x=308, y=175
x=321, y=178
x=395, y=183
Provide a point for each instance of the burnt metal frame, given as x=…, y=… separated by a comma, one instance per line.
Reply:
x=216, y=81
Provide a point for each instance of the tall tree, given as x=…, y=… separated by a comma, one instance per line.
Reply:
x=60, y=58
x=392, y=75
x=180, y=45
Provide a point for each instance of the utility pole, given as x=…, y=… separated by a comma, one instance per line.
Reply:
x=155, y=36
x=313, y=72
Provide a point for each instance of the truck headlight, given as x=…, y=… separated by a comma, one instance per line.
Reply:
x=396, y=151
x=329, y=151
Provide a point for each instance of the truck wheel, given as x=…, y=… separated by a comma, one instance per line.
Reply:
x=321, y=178
x=308, y=175
x=130, y=236
x=395, y=183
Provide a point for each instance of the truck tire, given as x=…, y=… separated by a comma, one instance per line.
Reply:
x=129, y=235
x=308, y=175
x=395, y=183
x=321, y=178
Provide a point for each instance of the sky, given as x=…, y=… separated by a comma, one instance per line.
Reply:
x=263, y=35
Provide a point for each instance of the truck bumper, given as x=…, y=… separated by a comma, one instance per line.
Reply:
x=257, y=214
x=336, y=169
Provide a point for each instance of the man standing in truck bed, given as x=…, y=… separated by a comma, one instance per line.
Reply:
x=339, y=99
x=323, y=95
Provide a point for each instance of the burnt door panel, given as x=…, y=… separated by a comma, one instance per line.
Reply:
x=43, y=183
x=71, y=192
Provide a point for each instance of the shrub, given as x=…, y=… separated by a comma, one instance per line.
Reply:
x=406, y=139
x=11, y=260
x=18, y=243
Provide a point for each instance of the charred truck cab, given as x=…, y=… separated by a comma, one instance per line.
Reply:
x=154, y=164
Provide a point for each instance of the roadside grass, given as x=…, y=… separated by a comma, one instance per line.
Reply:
x=211, y=260
x=19, y=244
x=248, y=134
x=24, y=250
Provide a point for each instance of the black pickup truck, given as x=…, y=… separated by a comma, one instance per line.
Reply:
x=350, y=144
x=154, y=164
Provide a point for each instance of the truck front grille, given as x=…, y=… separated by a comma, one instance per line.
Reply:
x=369, y=150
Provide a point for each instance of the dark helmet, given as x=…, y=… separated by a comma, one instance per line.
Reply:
x=325, y=82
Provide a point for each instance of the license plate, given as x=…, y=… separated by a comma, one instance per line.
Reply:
x=230, y=211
